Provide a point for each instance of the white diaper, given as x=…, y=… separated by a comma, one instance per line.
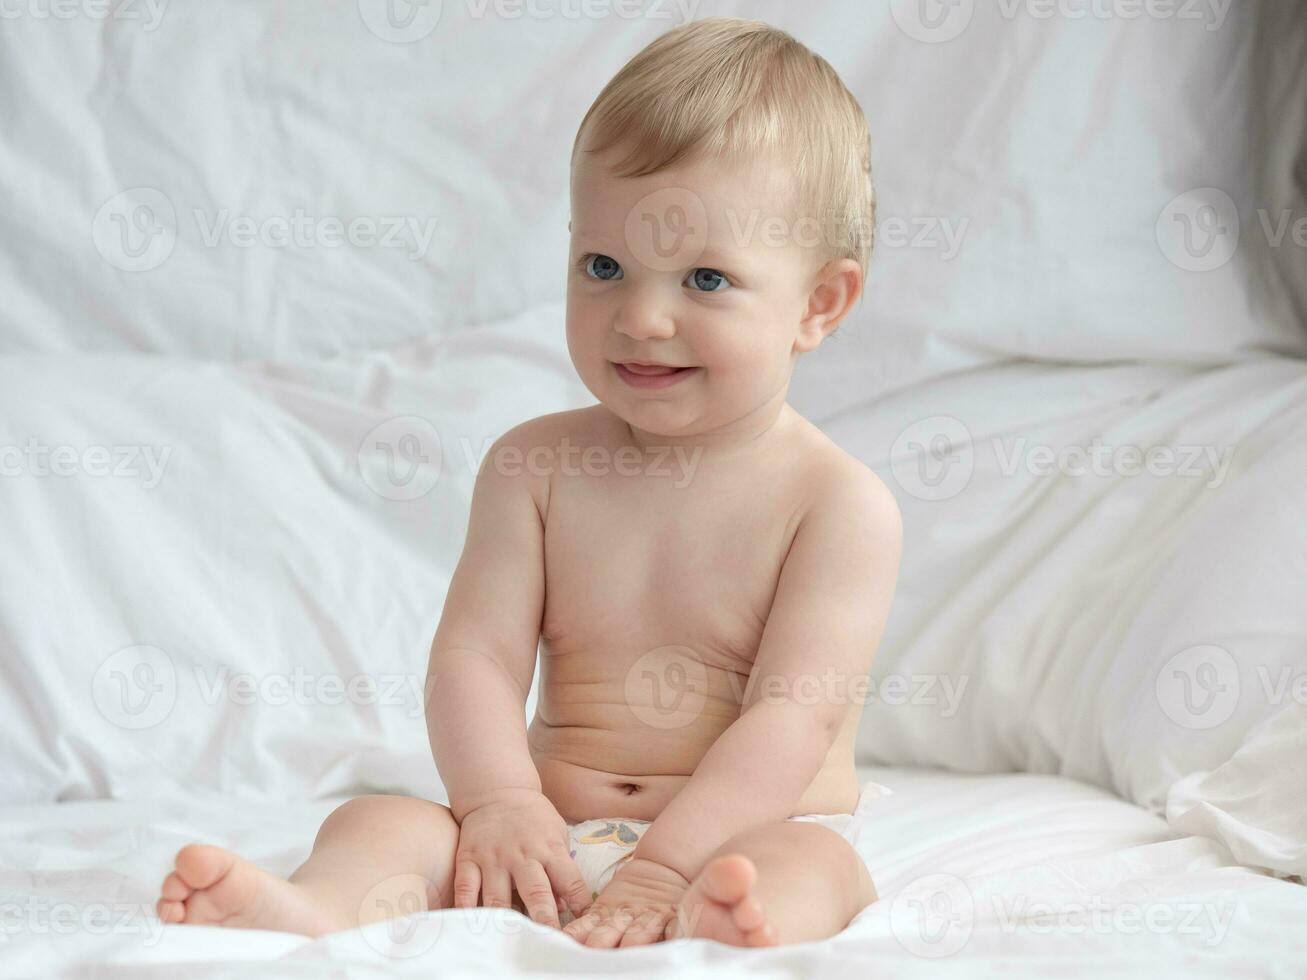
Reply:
x=601, y=846
x=849, y=825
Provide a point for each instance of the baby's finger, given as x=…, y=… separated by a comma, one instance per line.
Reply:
x=537, y=894
x=647, y=928
x=569, y=884
x=467, y=885
x=609, y=933
x=496, y=888
x=581, y=927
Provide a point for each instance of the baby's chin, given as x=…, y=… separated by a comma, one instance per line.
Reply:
x=657, y=419
x=673, y=417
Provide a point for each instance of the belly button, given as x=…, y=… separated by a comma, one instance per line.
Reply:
x=630, y=788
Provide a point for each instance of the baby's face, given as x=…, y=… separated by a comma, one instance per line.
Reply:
x=692, y=268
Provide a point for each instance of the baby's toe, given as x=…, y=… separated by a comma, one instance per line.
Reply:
x=728, y=879
x=748, y=915
x=202, y=865
x=175, y=889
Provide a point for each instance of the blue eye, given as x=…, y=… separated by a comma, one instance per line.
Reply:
x=707, y=280
x=602, y=267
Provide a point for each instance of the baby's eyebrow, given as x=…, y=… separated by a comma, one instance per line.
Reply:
x=593, y=242
x=581, y=231
x=716, y=255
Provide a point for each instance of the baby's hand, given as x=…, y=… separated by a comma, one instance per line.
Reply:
x=517, y=840
x=634, y=909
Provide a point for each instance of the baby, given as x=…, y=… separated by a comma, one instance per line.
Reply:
x=704, y=574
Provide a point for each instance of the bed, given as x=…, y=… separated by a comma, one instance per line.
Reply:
x=1017, y=874
x=235, y=465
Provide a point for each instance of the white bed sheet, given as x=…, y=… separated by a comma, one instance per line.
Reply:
x=1017, y=875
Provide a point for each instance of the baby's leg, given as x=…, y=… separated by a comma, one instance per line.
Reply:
x=375, y=857
x=781, y=883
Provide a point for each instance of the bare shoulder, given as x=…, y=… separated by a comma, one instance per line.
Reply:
x=524, y=458
x=531, y=448
x=845, y=555
x=546, y=432
x=842, y=491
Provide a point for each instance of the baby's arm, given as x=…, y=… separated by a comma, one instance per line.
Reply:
x=482, y=660
x=828, y=614
x=484, y=652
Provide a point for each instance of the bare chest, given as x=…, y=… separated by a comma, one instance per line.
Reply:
x=631, y=566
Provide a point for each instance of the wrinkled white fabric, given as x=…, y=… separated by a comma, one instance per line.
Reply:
x=977, y=875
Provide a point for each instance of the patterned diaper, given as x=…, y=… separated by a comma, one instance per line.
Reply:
x=600, y=847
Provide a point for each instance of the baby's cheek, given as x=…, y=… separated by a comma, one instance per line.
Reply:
x=751, y=367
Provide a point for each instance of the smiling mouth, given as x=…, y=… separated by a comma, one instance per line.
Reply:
x=644, y=374
x=649, y=369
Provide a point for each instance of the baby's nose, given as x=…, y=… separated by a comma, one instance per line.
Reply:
x=645, y=316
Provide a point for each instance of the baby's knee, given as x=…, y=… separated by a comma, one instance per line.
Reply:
x=833, y=856
x=786, y=840
x=380, y=813
x=866, y=888
x=365, y=809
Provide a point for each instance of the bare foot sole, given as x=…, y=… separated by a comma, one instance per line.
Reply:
x=210, y=886
x=720, y=905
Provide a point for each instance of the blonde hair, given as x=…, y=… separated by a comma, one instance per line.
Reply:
x=728, y=88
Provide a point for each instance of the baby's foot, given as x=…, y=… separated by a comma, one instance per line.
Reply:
x=210, y=886
x=720, y=905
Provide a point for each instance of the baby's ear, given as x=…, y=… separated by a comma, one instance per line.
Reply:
x=836, y=287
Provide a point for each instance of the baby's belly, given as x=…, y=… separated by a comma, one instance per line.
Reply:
x=607, y=746
x=581, y=793
x=594, y=761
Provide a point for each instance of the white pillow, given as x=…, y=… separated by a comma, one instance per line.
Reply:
x=1081, y=624
x=1254, y=802
x=1037, y=176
